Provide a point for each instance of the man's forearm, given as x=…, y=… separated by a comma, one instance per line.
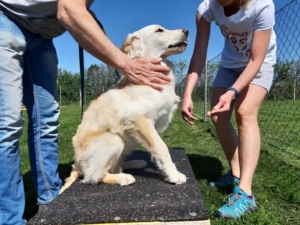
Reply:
x=79, y=22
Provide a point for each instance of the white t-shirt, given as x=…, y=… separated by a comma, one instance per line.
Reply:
x=38, y=16
x=32, y=8
x=238, y=29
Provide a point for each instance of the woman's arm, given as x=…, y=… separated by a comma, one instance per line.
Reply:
x=196, y=66
x=259, y=48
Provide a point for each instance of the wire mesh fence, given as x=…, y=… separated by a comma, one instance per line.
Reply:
x=279, y=116
x=280, y=113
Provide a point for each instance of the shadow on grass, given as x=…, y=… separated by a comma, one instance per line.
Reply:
x=31, y=205
x=209, y=169
x=205, y=167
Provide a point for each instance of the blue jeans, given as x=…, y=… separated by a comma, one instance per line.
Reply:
x=28, y=73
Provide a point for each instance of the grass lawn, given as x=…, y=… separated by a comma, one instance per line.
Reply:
x=276, y=181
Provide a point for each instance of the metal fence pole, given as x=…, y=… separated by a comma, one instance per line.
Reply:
x=60, y=96
x=205, y=92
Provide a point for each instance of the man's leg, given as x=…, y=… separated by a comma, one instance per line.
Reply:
x=40, y=99
x=12, y=47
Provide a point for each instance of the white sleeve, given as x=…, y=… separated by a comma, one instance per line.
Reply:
x=265, y=16
x=205, y=9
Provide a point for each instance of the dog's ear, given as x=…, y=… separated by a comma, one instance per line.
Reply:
x=132, y=46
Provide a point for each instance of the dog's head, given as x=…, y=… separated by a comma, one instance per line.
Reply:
x=155, y=41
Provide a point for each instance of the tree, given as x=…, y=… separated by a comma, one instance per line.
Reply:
x=99, y=78
x=180, y=70
x=286, y=80
x=69, y=84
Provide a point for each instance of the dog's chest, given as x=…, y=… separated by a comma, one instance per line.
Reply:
x=165, y=108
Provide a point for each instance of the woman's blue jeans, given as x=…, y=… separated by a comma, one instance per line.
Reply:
x=28, y=74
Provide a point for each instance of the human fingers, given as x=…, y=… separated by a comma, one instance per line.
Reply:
x=187, y=112
x=159, y=66
x=158, y=72
x=144, y=72
x=187, y=117
x=219, y=108
x=141, y=80
x=155, y=60
x=159, y=78
x=212, y=113
x=208, y=113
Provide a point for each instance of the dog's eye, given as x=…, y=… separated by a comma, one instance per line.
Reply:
x=159, y=30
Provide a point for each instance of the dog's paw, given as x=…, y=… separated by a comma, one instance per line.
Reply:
x=126, y=179
x=177, y=178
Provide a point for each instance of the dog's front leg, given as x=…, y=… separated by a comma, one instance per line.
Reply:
x=147, y=135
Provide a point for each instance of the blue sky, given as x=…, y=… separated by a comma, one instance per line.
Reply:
x=120, y=18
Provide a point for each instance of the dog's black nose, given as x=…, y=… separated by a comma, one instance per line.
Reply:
x=186, y=32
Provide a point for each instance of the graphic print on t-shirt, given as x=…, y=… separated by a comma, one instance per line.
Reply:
x=238, y=40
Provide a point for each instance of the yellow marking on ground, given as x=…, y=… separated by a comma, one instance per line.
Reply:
x=202, y=222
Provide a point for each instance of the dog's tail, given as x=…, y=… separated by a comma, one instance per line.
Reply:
x=68, y=181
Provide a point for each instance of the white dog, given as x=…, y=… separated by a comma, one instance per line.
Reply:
x=128, y=115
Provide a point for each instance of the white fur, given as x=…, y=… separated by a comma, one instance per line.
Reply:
x=128, y=115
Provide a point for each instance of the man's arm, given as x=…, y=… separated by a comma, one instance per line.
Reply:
x=74, y=16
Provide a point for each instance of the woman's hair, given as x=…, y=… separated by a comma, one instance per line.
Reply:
x=243, y=3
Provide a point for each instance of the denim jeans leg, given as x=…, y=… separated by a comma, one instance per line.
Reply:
x=40, y=99
x=12, y=47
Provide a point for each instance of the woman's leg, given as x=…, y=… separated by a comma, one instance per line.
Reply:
x=247, y=106
x=226, y=132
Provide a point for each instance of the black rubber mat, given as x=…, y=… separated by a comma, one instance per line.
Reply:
x=149, y=199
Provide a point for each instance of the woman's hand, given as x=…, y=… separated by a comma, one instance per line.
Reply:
x=223, y=104
x=187, y=110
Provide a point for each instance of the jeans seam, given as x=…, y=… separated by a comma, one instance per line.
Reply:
x=38, y=131
x=1, y=118
x=1, y=215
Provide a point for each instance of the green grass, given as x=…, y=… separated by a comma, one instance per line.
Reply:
x=276, y=181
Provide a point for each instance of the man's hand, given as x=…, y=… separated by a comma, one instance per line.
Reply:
x=187, y=110
x=74, y=16
x=149, y=72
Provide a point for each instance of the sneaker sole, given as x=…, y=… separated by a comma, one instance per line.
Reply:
x=219, y=214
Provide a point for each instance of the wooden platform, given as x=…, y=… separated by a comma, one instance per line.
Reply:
x=149, y=201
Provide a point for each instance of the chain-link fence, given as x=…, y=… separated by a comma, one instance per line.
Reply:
x=280, y=113
x=279, y=116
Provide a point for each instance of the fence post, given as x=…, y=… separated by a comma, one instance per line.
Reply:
x=60, y=96
x=205, y=91
x=294, y=97
x=80, y=99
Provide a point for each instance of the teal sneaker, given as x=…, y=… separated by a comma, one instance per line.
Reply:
x=226, y=181
x=237, y=204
